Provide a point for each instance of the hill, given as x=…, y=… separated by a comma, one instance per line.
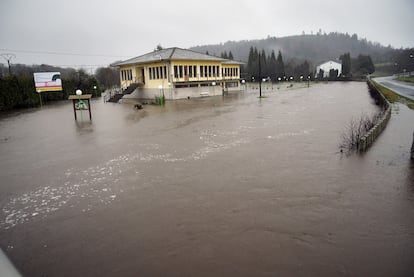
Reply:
x=315, y=48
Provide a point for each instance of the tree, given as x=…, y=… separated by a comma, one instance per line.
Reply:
x=272, y=66
x=253, y=63
x=333, y=74
x=363, y=65
x=107, y=77
x=230, y=56
x=301, y=70
x=346, y=64
x=263, y=64
x=320, y=74
x=280, y=66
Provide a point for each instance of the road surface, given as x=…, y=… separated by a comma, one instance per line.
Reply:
x=401, y=88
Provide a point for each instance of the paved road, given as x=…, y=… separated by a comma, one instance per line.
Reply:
x=402, y=88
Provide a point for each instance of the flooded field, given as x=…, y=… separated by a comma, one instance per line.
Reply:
x=218, y=186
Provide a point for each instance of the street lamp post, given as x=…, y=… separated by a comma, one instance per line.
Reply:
x=260, y=78
x=80, y=103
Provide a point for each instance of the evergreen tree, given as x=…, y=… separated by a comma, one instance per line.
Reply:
x=280, y=66
x=230, y=56
x=272, y=66
x=250, y=62
x=253, y=63
x=346, y=64
x=363, y=65
x=263, y=64
x=320, y=74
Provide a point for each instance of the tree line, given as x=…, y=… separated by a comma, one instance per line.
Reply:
x=272, y=67
x=17, y=90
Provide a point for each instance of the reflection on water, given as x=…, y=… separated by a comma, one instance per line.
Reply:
x=84, y=127
x=231, y=185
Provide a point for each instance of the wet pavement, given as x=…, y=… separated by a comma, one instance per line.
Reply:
x=402, y=88
x=218, y=186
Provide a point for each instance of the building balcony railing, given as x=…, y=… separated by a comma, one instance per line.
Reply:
x=186, y=78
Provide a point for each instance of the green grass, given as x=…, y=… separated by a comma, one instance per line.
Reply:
x=406, y=79
x=379, y=74
x=392, y=97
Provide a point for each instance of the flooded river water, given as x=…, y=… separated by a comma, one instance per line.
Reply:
x=219, y=186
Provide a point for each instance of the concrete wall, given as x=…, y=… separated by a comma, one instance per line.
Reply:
x=412, y=149
x=177, y=93
x=368, y=139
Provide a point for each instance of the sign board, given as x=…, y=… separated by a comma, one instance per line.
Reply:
x=47, y=81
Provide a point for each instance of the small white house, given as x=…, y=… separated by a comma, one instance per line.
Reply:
x=327, y=66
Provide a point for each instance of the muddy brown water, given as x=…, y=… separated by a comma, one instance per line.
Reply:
x=219, y=186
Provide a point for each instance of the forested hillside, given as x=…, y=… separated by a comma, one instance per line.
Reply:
x=315, y=48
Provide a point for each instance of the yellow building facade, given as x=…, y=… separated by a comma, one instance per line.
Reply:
x=179, y=73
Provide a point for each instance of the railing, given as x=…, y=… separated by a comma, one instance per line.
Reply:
x=109, y=93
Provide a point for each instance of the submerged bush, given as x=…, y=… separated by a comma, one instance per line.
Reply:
x=356, y=129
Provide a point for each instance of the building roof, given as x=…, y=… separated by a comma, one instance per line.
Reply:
x=329, y=62
x=173, y=53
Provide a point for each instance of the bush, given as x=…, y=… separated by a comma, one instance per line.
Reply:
x=357, y=128
x=19, y=92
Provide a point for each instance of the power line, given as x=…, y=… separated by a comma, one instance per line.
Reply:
x=61, y=53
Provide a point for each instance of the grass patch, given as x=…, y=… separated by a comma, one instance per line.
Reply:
x=406, y=79
x=392, y=97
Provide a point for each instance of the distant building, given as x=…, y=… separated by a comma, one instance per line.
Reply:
x=178, y=73
x=327, y=66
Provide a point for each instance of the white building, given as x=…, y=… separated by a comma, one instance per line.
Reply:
x=327, y=66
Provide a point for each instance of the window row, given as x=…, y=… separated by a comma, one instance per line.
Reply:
x=186, y=71
x=126, y=74
x=190, y=71
x=230, y=72
x=209, y=71
x=159, y=72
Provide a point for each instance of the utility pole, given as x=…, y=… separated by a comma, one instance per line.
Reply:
x=260, y=78
x=8, y=57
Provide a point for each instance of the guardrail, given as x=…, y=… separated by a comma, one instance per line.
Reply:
x=109, y=93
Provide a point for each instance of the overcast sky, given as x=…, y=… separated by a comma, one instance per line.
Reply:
x=102, y=31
